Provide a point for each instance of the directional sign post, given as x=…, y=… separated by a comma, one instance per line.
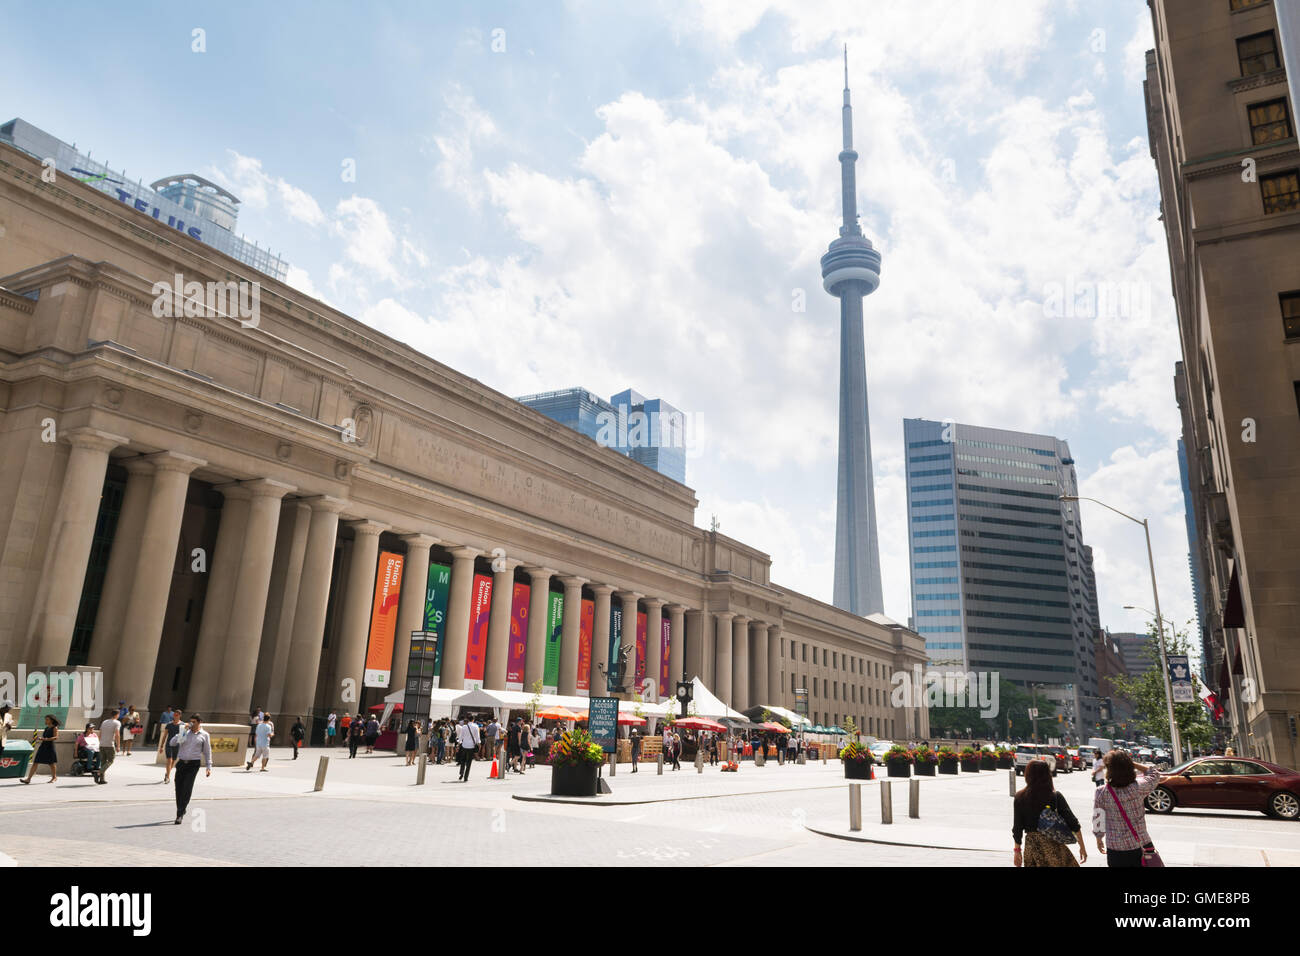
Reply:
x=1180, y=679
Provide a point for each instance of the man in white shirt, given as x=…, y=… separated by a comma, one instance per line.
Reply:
x=195, y=749
x=262, y=734
x=467, y=735
x=110, y=741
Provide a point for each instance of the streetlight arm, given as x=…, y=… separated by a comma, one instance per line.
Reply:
x=1103, y=504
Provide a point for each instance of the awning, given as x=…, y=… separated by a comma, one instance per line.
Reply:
x=705, y=704
x=1234, y=614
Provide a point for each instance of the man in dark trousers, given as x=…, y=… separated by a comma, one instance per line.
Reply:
x=195, y=748
x=636, y=749
x=469, y=738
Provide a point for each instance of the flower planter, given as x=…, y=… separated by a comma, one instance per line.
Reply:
x=988, y=763
x=1006, y=763
x=857, y=770
x=970, y=766
x=924, y=769
x=948, y=766
x=574, y=780
x=898, y=768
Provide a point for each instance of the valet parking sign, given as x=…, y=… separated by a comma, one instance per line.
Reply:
x=1180, y=679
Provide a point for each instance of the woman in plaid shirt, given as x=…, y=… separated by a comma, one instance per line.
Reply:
x=1123, y=783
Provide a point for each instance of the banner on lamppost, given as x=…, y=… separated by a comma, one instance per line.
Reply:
x=1180, y=679
x=602, y=719
x=554, y=634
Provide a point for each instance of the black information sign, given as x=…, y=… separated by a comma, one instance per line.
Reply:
x=801, y=701
x=602, y=721
x=419, y=675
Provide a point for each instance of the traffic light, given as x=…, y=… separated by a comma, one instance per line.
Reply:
x=1060, y=718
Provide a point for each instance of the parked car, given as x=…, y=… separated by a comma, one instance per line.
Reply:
x=1062, y=759
x=880, y=748
x=1229, y=783
x=1087, y=753
x=1076, y=759
x=1028, y=752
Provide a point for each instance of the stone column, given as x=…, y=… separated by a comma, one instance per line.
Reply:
x=107, y=636
x=697, y=622
x=410, y=608
x=775, y=690
x=722, y=658
x=739, y=663
x=758, y=666
x=218, y=601
x=49, y=638
x=708, y=648
x=456, y=640
x=676, y=644
x=569, y=640
x=351, y=660
x=156, y=562
x=286, y=579
x=600, y=640
x=538, y=598
x=498, y=647
x=235, y=692
x=629, y=599
x=654, y=615
x=303, y=666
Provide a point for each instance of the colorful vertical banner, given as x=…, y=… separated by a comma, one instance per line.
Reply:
x=615, y=632
x=383, y=621
x=586, y=627
x=666, y=631
x=518, y=637
x=435, y=611
x=554, y=634
x=476, y=652
x=640, y=648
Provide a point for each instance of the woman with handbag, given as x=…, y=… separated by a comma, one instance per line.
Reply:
x=1118, y=816
x=131, y=728
x=1046, y=822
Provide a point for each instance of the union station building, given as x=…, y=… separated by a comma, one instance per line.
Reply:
x=224, y=514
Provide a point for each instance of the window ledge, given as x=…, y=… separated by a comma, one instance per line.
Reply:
x=1243, y=83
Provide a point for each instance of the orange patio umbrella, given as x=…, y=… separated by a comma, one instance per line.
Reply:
x=558, y=713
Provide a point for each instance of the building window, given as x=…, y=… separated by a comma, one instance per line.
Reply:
x=1269, y=122
x=1281, y=191
x=805, y=653
x=1257, y=53
x=814, y=686
x=1290, y=302
x=794, y=683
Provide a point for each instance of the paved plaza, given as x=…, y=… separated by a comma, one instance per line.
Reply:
x=371, y=812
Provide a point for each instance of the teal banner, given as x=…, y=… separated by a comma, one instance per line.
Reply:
x=435, y=610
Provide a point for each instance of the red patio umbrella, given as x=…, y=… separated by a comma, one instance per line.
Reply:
x=632, y=719
x=774, y=727
x=699, y=723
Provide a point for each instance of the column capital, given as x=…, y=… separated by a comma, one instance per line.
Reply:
x=533, y=572
x=268, y=487
x=741, y=619
x=510, y=565
x=418, y=540
x=630, y=595
x=174, y=461
x=95, y=440
x=726, y=614
x=692, y=611
x=366, y=526
x=464, y=551
x=651, y=602
x=572, y=581
x=603, y=590
x=325, y=503
x=774, y=629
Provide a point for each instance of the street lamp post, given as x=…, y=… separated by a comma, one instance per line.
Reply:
x=1174, y=737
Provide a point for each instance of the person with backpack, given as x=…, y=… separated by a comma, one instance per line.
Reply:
x=355, y=730
x=1043, y=818
x=297, y=733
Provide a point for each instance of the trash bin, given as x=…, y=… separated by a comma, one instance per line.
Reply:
x=15, y=757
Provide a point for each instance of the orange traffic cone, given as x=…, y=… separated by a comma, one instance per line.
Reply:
x=493, y=775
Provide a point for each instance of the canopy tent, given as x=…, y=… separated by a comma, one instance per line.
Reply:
x=439, y=703
x=795, y=720
x=741, y=723
x=705, y=704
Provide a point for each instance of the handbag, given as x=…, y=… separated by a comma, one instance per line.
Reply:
x=1053, y=826
x=1149, y=855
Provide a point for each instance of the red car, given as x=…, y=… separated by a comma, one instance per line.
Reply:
x=1229, y=783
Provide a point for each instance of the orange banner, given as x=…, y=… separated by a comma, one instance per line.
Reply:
x=383, y=620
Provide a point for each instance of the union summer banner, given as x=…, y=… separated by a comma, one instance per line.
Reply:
x=476, y=653
x=640, y=647
x=586, y=627
x=383, y=621
x=518, y=637
x=435, y=610
x=666, y=627
x=615, y=631
x=554, y=634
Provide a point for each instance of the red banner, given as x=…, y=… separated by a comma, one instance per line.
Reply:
x=383, y=620
x=640, y=647
x=666, y=629
x=518, y=637
x=480, y=611
x=586, y=627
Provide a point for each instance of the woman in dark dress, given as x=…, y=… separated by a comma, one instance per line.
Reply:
x=412, y=741
x=1029, y=805
x=45, y=752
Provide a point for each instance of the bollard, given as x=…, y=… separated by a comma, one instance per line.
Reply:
x=320, y=773
x=613, y=763
x=759, y=759
x=914, y=799
x=419, y=773
x=823, y=750
x=659, y=763
x=1011, y=774
x=803, y=758
x=699, y=761
x=780, y=756
x=886, y=802
x=501, y=761
x=855, y=806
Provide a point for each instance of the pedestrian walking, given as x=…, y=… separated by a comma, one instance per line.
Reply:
x=169, y=741
x=6, y=722
x=676, y=751
x=355, y=731
x=110, y=742
x=263, y=731
x=372, y=734
x=45, y=752
x=1045, y=821
x=636, y=749
x=331, y=725
x=713, y=748
x=297, y=733
x=1118, y=815
x=195, y=748
x=131, y=729
x=491, y=736
x=345, y=728
x=412, y=741
x=444, y=734
x=468, y=738
x=514, y=746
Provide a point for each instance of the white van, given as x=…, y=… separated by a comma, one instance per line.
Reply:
x=1103, y=744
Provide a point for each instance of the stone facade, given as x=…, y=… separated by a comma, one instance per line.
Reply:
x=197, y=504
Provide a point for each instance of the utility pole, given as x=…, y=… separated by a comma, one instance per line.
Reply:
x=1033, y=688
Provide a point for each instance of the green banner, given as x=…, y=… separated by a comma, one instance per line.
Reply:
x=435, y=610
x=554, y=631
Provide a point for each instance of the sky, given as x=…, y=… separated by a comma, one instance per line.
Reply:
x=551, y=194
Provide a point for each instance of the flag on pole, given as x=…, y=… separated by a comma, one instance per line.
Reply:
x=1209, y=699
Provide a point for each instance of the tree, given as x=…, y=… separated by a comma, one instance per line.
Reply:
x=1147, y=693
x=1012, y=720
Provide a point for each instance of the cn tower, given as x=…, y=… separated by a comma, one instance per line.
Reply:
x=851, y=271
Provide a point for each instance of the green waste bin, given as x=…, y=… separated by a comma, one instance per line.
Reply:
x=14, y=758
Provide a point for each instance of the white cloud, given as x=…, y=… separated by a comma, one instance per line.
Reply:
x=257, y=189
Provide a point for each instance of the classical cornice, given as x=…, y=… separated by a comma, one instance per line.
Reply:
x=1243, y=84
